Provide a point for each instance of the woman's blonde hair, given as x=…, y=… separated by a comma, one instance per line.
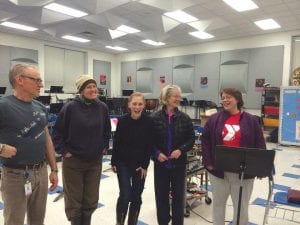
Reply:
x=166, y=92
x=136, y=94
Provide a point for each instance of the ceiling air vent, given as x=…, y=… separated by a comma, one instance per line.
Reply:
x=87, y=34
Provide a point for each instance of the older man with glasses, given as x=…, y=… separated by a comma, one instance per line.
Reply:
x=25, y=149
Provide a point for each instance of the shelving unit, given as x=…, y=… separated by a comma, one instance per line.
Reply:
x=270, y=103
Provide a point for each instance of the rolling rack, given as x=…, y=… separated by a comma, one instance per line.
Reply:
x=195, y=169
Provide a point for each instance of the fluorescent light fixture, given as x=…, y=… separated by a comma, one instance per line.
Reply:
x=116, y=33
x=73, y=38
x=241, y=5
x=181, y=16
x=201, y=35
x=298, y=40
x=127, y=29
x=116, y=48
x=150, y=42
x=267, y=24
x=65, y=10
x=121, y=31
x=18, y=26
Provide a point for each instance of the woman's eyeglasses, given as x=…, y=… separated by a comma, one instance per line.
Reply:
x=36, y=80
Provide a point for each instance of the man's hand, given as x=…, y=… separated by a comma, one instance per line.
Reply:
x=53, y=180
x=8, y=151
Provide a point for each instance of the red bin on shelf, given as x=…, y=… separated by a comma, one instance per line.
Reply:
x=271, y=110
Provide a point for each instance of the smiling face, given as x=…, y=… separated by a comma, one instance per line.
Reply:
x=90, y=91
x=229, y=103
x=136, y=106
x=173, y=101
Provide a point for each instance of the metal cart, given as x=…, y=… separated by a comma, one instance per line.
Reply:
x=195, y=169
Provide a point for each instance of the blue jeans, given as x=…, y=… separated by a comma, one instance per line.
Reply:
x=166, y=180
x=131, y=188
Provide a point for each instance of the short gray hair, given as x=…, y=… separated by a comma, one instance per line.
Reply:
x=18, y=69
x=166, y=92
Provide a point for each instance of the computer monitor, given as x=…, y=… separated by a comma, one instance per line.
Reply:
x=127, y=92
x=56, y=107
x=2, y=90
x=44, y=99
x=56, y=89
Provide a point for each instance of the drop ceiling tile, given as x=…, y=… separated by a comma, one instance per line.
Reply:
x=146, y=15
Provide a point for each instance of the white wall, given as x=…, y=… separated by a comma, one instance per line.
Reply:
x=296, y=54
x=30, y=43
x=275, y=39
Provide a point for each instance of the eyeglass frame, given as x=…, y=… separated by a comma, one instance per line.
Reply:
x=38, y=81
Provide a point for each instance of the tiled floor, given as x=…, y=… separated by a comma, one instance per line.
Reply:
x=287, y=163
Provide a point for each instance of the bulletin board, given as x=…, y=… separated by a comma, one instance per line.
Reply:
x=289, y=127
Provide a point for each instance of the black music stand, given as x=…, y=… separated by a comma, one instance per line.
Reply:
x=250, y=161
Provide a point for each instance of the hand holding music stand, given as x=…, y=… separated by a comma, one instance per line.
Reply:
x=250, y=161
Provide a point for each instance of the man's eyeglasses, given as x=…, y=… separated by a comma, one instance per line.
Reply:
x=36, y=80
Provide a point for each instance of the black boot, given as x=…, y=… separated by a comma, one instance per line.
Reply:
x=86, y=220
x=76, y=221
x=120, y=218
x=133, y=216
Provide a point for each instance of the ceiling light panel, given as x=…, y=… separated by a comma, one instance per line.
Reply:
x=127, y=29
x=201, y=35
x=74, y=38
x=150, y=42
x=116, y=33
x=18, y=26
x=116, y=48
x=181, y=16
x=267, y=24
x=241, y=5
x=65, y=10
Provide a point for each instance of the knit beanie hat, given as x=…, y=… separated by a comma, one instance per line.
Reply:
x=83, y=80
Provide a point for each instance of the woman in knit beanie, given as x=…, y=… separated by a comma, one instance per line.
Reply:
x=83, y=80
x=81, y=134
